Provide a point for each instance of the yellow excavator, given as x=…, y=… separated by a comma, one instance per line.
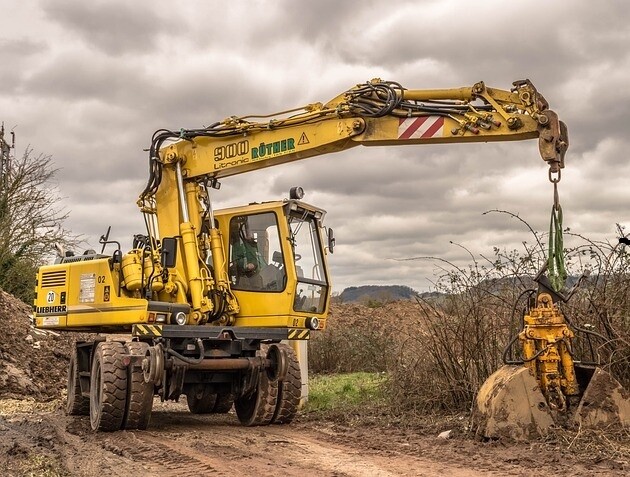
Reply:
x=211, y=297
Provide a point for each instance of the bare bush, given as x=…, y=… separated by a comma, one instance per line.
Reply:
x=31, y=222
x=357, y=338
x=438, y=351
x=456, y=341
x=601, y=307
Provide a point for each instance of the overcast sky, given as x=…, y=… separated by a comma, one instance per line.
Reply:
x=89, y=81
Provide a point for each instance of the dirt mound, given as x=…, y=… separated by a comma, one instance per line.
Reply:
x=33, y=363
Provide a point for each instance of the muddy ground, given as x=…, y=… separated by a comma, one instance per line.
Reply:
x=38, y=439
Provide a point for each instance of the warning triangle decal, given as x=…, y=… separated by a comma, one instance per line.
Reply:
x=303, y=139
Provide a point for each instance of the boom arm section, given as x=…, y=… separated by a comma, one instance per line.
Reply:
x=375, y=113
x=185, y=165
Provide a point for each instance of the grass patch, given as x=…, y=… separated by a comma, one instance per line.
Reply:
x=343, y=392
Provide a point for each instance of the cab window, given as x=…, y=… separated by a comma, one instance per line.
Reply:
x=256, y=260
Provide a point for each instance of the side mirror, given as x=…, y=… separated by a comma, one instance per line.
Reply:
x=331, y=240
x=169, y=252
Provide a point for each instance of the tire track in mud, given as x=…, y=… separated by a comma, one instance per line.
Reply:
x=181, y=444
x=202, y=446
x=241, y=454
x=158, y=455
x=298, y=453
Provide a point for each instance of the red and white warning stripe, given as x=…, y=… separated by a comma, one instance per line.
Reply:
x=422, y=127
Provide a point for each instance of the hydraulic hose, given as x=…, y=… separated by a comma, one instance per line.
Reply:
x=187, y=360
x=508, y=348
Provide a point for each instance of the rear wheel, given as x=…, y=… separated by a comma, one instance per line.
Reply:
x=76, y=404
x=201, y=400
x=289, y=389
x=139, y=393
x=225, y=401
x=108, y=387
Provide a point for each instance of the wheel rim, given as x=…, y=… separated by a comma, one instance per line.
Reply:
x=257, y=408
x=95, y=395
x=71, y=385
x=139, y=391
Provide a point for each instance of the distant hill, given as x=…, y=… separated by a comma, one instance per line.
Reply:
x=377, y=293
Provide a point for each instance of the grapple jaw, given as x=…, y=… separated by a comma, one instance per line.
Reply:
x=510, y=404
x=605, y=403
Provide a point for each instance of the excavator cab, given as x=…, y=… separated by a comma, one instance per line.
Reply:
x=276, y=263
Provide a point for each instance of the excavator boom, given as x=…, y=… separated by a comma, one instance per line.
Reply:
x=377, y=113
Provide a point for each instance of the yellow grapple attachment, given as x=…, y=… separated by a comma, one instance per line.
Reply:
x=523, y=401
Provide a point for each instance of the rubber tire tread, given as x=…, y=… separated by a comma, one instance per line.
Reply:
x=289, y=389
x=76, y=404
x=203, y=405
x=139, y=393
x=108, y=414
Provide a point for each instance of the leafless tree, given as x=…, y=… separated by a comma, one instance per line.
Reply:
x=31, y=221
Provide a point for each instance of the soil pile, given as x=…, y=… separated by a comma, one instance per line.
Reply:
x=33, y=363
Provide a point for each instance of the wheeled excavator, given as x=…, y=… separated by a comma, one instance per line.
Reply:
x=210, y=297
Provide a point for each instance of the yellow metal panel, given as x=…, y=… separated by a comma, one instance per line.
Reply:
x=86, y=296
x=257, y=149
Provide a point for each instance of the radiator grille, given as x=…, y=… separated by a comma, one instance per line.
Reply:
x=54, y=279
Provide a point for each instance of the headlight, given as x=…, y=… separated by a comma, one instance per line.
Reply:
x=296, y=193
x=312, y=323
x=181, y=318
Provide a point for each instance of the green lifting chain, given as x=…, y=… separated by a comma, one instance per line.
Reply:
x=556, y=269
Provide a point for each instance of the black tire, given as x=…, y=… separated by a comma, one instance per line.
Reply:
x=258, y=408
x=201, y=399
x=139, y=393
x=289, y=389
x=225, y=401
x=108, y=387
x=76, y=404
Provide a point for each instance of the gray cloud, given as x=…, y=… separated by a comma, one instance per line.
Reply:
x=89, y=82
x=14, y=54
x=115, y=28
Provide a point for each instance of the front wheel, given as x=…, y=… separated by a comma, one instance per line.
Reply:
x=139, y=392
x=108, y=387
x=289, y=389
